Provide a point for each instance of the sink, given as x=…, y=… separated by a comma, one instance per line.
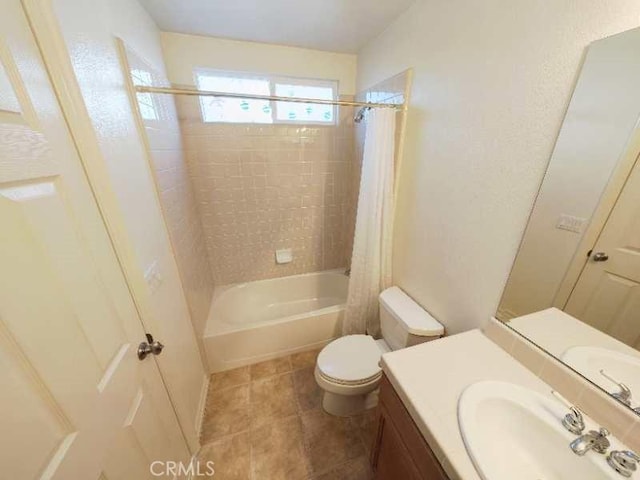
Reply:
x=512, y=433
x=622, y=367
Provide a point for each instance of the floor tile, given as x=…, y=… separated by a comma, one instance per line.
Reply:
x=266, y=422
x=270, y=368
x=230, y=378
x=328, y=437
x=357, y=469
x=308, y=393
x=271, y=399
x=227, y=412
x=278, y=450
x=231, y=457
x=304, y=359
x=366, y=425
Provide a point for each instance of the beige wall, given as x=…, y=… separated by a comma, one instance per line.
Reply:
x=135, y=221
x=267, y=187
x=604, y=110
x=183, y=53
x=491, y=84
x=177, y=198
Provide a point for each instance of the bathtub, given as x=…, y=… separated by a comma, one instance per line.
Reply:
x=256, y=321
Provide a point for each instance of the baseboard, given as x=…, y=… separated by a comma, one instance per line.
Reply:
x=504, y=314
x=202, y=404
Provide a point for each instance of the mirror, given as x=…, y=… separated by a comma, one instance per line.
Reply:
x=574, y=289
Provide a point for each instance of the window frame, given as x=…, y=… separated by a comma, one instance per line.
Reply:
x=154, y=106
x=273, y=80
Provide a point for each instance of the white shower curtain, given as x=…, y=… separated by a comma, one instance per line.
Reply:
x=371, y=257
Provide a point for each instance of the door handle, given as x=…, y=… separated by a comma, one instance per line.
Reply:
x=151, y=346
x=600, y=257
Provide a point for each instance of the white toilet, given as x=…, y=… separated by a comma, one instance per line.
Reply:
x=348, y=369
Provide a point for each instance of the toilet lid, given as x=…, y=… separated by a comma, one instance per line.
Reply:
x=352, y=359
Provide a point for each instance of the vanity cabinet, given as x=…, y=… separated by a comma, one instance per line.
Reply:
x=399, y=449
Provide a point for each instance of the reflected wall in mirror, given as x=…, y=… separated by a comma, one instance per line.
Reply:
x=574, y=289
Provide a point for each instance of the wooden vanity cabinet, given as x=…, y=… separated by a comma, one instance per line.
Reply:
x=399, y=450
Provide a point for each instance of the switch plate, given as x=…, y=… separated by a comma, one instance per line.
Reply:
x=571, y=223
x=153, y=277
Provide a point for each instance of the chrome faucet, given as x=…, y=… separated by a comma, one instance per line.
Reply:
x=624, y=395
x=592, y=440
x=572, y=421
x=625, y=462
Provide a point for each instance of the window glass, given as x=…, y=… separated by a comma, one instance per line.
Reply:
x=304, y=112
x=145, y=100
x=235, y=110
x=240, y=110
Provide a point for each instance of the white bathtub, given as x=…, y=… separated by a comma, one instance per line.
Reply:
x=256, y=321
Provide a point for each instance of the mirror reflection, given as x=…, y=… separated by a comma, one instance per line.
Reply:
x=574, y=289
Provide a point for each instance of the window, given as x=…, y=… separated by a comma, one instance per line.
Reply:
x=145, y=100
x=241, y=110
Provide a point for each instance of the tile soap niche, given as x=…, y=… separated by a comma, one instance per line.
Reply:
x=284, y=256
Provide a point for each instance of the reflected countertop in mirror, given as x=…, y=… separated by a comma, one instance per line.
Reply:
x=607, y=362
x=574, y=289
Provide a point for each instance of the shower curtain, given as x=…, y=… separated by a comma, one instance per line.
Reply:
x=371, y=257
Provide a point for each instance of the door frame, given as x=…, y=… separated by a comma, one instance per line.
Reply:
x=121, y=47
x=56, y=59
x=629, y=160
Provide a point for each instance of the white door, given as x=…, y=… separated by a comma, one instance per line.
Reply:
x=607, y=294
x=75, y=401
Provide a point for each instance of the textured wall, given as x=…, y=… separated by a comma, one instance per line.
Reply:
x=184, y=53
x=267, y=187
x=177, y=199
x=492, y=81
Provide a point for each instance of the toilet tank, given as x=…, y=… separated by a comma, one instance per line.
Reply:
x=403, y=322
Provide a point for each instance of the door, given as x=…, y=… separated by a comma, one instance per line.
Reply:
x=76, y=402
x=607, y=294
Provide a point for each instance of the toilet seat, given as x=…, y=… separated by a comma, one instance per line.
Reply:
x=351, y=360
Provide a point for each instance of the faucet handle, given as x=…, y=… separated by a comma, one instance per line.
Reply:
x=601, y=443
x=573, y=421
x=624, y=462
x=624, y=395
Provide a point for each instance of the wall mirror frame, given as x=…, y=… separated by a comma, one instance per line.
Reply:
x=574, y=288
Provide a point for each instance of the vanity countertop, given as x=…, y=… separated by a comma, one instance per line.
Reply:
x=557, y=331
x=430, y=377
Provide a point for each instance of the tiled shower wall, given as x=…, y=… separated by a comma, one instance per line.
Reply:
x=261, y=188
x=178, y=200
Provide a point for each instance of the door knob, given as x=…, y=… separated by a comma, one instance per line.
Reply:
x=600, y=257
x=151, y=346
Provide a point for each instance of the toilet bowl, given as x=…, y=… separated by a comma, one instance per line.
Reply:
x=348, y=369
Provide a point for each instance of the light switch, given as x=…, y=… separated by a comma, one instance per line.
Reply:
x=153, y=277
x=571, y=223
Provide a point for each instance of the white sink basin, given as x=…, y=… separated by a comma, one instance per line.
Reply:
x=512, y=433
x=623, y=368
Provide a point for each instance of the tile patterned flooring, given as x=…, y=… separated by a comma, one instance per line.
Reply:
x=265, y=422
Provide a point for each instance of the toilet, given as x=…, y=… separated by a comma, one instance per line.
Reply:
x=348, y=369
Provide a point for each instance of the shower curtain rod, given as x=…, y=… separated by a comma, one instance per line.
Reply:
x=205, y=93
